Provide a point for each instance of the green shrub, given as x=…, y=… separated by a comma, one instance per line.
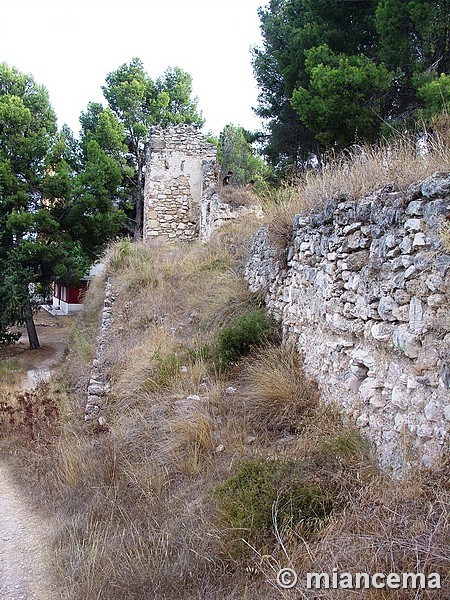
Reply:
x=238, y=338
x=266, y=490
x=345, y=446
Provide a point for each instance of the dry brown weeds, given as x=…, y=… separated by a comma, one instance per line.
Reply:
x=134, y=505
x=359, y=171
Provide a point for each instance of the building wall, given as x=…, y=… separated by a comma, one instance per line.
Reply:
x=181, y=168
x=365, y=297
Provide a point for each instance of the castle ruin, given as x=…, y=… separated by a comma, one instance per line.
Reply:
x=181, y=169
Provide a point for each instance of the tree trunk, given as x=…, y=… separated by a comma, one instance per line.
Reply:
x=138, y=224
x=31, y=328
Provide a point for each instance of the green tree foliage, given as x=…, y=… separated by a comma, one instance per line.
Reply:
x=343, y=97
x=413, y=40
x=27, y=129
x=435, y=95
x=137, y=103
x=55, y=208
x=309, y=97
x=236, y=154
x=174, y=90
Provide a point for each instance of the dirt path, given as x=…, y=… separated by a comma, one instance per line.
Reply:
x=24, y=535
x=53, y=332
x=22, y=546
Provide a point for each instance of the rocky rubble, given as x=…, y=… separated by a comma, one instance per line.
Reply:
x=365, y=295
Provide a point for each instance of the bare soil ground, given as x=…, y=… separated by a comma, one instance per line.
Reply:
x=23, y=544
x=23, y=533
x=53, y=332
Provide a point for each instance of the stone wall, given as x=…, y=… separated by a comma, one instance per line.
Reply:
x=216, y=209
x=99, y=386
x=181, y=167
x=365, y=297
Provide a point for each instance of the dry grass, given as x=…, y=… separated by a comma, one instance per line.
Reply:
x=280, y=396
x=388, y=528
x=134, y=506
x=134, y=262
x=238, y=197
x=190, y=434
x=11, y=374
x=228, y=300
x=355, y=174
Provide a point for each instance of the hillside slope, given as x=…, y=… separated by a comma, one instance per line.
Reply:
x=215, y=463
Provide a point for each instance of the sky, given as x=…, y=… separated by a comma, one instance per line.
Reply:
x=69, y=46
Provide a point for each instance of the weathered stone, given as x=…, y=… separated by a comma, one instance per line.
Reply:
x=434, y=211
x=363, y=420
x=363, y=357
x=442, y=263
x=357, y=260
x=369, y=388
x=368, y=301
x=401, y=313
x=432, y=411
x=381, y=331
x=406, y=245
x=377, y=401
x=434, y=282
x=422, y=261
x=416, y=321
x=401, y=297
x=399, y=398
x=436, y=185
x=412, y=225
x=436, y=300
x=359, y=371
x=385, y=308
x=406, y=342
x=410, y=272
x=419, y=240
x=417, y=287
x=414, y=208
x=399, y=280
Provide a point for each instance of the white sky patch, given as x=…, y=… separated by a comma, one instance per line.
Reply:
x=71, y=45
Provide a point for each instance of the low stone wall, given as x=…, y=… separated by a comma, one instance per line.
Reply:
x=99, y=386
x=365, y=296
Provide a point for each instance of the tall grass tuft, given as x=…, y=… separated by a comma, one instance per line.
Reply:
x=279, y=394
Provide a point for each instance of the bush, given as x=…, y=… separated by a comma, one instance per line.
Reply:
x=268, y=492
x=237, y=339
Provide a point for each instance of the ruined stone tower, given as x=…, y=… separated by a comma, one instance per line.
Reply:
x=181, y=167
